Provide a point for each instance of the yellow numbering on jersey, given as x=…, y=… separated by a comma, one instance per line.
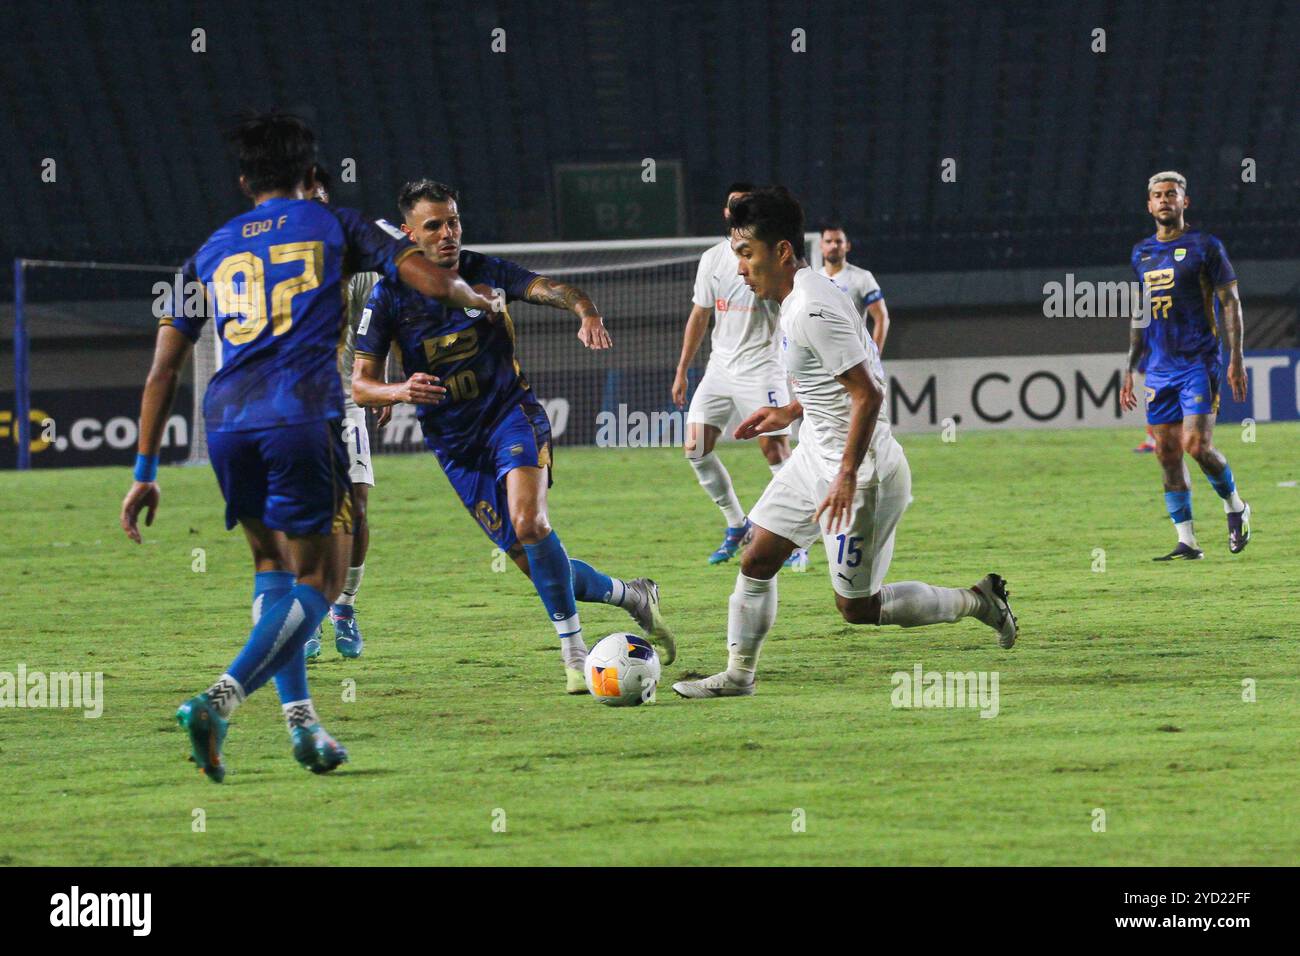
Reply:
x=1155, y=281
x=456, y=347
x=249, y=302
x=463, y=386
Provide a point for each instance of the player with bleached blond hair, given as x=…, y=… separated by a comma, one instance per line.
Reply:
x=1187, y=285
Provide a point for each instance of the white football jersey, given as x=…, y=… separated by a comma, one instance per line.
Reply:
x=822, y=336
x=744, y=326
x=860, y=285
x=356, y=292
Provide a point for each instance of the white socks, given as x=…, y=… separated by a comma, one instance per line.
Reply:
x=225, y=695
x=1234, y=503
x=713, y=477
x=1185, y=534
x=913, y=603
x=751, y=612
x=618, y=593
x=573, y=650
x=351, y=584
x=300, y=713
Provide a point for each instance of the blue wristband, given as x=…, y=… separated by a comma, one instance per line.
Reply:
x=146, y=467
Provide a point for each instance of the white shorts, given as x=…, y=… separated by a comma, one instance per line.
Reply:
x=357, y=439
x=722, y=392
x=858, y=556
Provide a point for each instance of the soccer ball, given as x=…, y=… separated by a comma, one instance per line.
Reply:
x=622, y=671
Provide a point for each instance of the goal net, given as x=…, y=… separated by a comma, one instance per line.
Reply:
x=642, y=288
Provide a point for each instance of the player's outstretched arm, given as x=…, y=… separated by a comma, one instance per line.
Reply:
x=561, y=295
x=171, y=351
x=866, y=398
x=696, y=327
x=370, y=390
x=437, y=283
x=1234, y=334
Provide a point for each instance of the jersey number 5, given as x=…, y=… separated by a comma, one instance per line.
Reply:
x=250, y=301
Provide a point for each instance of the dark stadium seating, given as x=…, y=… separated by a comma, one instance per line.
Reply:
x=1049, y=170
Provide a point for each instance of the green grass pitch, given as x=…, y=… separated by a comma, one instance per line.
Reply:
x=1124, y=694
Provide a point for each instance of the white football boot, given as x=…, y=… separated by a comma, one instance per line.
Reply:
x=999, y=617
x=719, y=685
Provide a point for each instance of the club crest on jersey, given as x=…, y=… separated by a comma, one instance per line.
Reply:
x=473, y=313
x=1180, y=255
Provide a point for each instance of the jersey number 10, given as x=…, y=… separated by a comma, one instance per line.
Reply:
x=250, y=301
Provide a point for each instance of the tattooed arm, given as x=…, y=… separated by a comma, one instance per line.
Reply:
x=561, y=295
x=1127, y=399
x=1234, y=333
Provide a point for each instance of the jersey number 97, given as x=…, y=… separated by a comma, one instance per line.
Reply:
x=249, y=301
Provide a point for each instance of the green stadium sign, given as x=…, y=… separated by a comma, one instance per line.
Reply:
x=637, y=200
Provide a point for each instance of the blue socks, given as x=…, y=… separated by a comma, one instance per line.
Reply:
x=553, y=577
x=1224, y=484
x=1179, y=504
x=278, y=636
x=270, y=587
x=589, y=584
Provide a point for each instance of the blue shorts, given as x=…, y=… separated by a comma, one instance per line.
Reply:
x=1173, y=394
x=292, y=478
x=521, y=439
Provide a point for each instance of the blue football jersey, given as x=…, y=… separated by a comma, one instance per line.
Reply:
x=1181, y=276
x=471, y=352
x=275, y=282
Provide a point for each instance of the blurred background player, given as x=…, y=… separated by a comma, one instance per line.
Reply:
x=356, y=435
x=480, y=417
x=859, y=284
x=1187, y=284
x=274, y=412
x=848, y=481
x=744, y=374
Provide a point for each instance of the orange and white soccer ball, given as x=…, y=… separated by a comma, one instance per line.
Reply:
x=623, y=671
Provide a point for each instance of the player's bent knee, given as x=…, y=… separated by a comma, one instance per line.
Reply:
x=859, y=610
x=531, y=528
x=760, y=566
